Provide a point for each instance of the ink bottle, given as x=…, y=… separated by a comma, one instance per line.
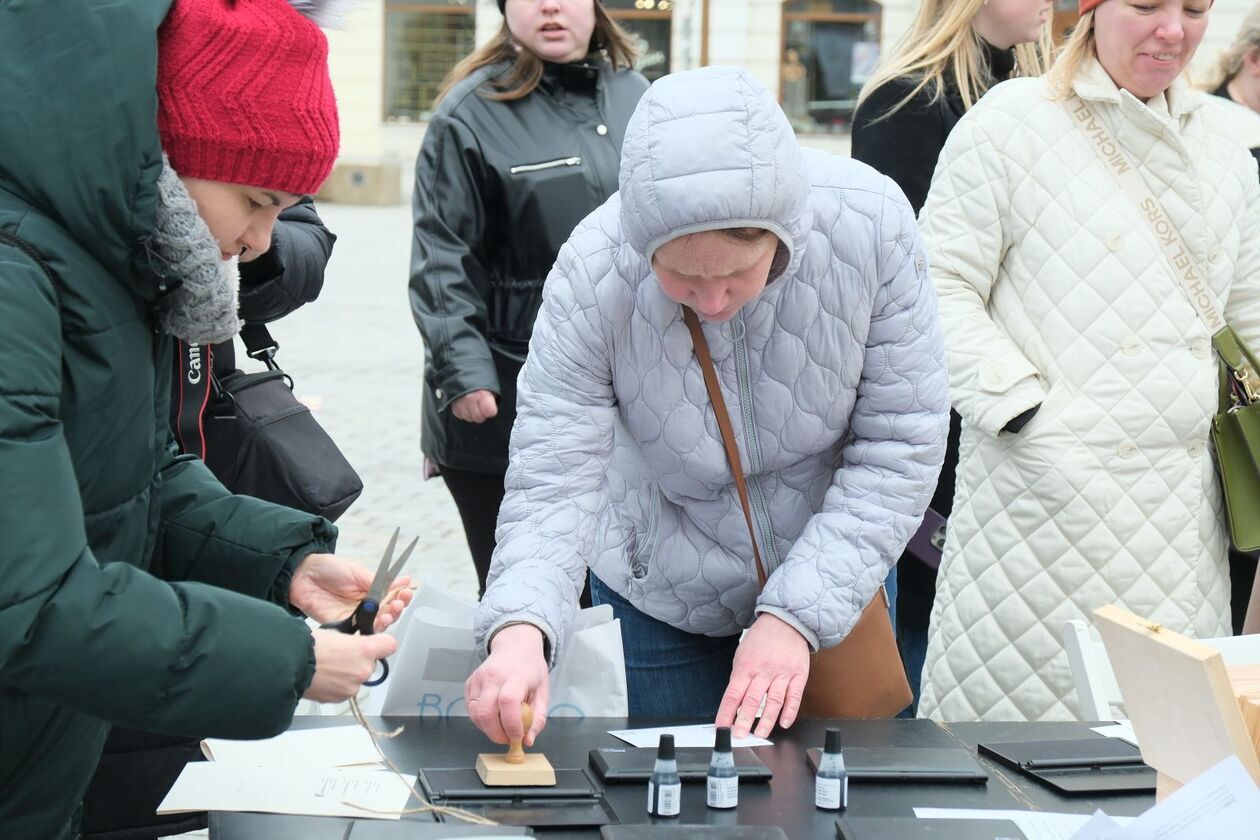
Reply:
x=723, y=780
x=665, y=787
x=831, y=785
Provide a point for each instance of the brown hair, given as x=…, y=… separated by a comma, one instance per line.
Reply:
x=523, y=76
x=746, y=234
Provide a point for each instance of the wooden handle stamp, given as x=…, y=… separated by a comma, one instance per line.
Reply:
x=516, y=768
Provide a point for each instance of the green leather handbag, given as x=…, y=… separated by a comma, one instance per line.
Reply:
x=1236, y=439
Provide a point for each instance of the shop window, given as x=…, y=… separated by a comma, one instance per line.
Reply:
x=829, y=50
x=650, y=23
x=423, y=41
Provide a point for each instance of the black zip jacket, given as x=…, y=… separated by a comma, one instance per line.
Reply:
x=499, y=188
x=906, y=144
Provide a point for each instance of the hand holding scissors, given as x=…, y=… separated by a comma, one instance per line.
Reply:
x=377, y=604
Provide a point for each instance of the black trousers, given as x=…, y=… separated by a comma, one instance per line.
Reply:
x=478, y=497
x=1242, y=572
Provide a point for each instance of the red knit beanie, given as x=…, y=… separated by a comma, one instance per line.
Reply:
x=244, y=95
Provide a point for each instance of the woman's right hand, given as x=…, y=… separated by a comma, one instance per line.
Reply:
x=513, y=673
x=344, y=663
x=475, y=406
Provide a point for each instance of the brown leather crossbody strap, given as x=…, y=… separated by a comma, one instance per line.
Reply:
x=724, y=426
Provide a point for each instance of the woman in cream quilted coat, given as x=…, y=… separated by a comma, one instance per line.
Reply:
x=1085, y=378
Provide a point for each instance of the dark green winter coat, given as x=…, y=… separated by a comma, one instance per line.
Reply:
x=117, y=556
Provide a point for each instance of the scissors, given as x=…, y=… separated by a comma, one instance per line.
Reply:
x=363, y=619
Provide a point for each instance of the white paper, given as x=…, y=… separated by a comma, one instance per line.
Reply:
x=1036, y=825
x=335, y=792
x=1121, y=729
x=1100, y=827
x=331, y=746
x=699, y=735
x=1222, y=802
x=436, y=653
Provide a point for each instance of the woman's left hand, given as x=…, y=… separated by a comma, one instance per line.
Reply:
x=328, y=588
x=772, y=662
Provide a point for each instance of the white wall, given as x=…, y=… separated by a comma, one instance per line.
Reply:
x=747, y=33
x=355, y=61
x=1224, y=19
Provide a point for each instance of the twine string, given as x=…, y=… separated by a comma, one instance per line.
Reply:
x=428, y=807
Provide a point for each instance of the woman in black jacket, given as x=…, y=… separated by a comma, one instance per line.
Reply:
x=525, y=142
x=954, y=51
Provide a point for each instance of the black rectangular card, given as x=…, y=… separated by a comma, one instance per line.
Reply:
x=1078, y=767
x=912, y=828
x=912, y=765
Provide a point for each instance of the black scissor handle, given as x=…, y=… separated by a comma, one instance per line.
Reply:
x=381, y=678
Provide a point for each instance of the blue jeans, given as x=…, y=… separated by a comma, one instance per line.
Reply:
x=890, y=586
x=669, y=672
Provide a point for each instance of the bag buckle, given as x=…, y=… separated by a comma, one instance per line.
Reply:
x=1246, y=377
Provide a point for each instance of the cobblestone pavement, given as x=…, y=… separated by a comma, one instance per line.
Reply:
x=357, y=359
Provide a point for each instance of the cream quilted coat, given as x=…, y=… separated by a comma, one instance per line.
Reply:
x=1054, y=291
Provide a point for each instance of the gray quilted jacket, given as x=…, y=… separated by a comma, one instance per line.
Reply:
x=834, y=378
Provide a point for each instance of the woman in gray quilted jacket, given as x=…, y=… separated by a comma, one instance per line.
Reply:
x=808, y=274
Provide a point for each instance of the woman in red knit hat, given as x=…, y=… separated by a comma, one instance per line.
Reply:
x=145, y=145
x=1084, y=229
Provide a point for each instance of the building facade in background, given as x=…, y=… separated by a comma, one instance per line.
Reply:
x=388, y=64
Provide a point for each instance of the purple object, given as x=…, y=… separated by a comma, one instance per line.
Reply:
x=929, y=541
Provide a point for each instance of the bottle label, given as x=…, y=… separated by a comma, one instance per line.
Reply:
x=664, y=800
x=723, y=792
x=830, y=793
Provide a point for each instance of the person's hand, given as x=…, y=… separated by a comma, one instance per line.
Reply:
x=343, y=663
x=328, y=588
x=514, y=672
x=475, y=406
x=772, y=661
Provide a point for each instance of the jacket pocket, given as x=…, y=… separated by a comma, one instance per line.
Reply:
x=643, y=551
x=1057, y=402
x=522, y=168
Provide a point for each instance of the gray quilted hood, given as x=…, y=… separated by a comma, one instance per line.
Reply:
x=734, y=163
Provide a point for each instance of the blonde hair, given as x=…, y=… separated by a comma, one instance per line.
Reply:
x=526, y=69
x=1077, y=50
x=1245, y=42
x=942, y=44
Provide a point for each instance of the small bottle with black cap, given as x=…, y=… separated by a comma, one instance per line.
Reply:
x=723, y=779
x=665, y=787
x=831, y=785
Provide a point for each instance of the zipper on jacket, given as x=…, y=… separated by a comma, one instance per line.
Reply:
x=757, y=500
x=551, y=164
x=36, y=257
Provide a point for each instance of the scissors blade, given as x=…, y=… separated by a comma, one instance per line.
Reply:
x=379, y=593
x=382, y=571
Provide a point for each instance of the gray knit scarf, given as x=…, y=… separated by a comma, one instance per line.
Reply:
x=203, y=309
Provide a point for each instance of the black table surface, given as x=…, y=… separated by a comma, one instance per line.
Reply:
x=786, y=801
